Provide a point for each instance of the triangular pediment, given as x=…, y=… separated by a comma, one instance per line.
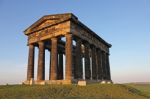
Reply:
x=47, y=21
x=43, y=24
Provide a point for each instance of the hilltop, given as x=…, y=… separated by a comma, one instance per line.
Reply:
x=92, y=91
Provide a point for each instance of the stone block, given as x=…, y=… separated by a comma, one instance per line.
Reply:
x=103, y=82
x=109, y=82
x=82, y=83
x=40, y=82
x=31, y=82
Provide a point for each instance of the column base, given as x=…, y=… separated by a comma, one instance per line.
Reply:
x=82, y=83
x=42, y=82
x=64, y=82
x=28, y=82
x=47, y=82
x=106, y=82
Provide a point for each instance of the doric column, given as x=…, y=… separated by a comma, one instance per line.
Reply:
x=68, y=52
x=41, y=62
x=78, y=68
x=74, y=64
x=60, y=66
x=73, y=61
x=87, y=62
x=99, y=60
x=30, y=70
x=108, y=67
x=94, y=63
x=104, y=65
x=54, y=59
x=50, y=65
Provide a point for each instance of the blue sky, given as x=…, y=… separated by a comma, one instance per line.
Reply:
x=123, y=23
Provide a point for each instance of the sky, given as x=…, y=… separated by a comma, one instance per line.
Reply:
x=123, y=23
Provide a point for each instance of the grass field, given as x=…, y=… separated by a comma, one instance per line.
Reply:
x=92, y=91
x=144, y=88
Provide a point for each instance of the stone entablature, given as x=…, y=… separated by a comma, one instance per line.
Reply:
x=49, y=32
x=80, y=44
x=88, y=35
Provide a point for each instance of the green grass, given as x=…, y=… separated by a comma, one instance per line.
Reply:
x=92, y=91
x=144, y=88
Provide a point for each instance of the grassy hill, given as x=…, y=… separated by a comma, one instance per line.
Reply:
x=92, y=91
x=143, y=87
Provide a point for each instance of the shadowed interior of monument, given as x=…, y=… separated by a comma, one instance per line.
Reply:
x=65, y=51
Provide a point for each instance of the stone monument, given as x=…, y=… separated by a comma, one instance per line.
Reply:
x=86, y=55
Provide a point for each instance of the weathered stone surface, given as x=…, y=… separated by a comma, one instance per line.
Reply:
x=87, y=35
x=58, y=82
x=94, y=71
x=99, y=59
x=60, y=66
x=104, y=65
x=54, y=59
x=82, y=83
x=68, y=52
x=80, y=43
x=108, y=67
x=78, y=68
x=87, y=62
x=49, y=32
x=41, y=62
x=30, y=70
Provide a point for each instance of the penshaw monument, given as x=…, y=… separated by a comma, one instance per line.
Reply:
x=76, y=52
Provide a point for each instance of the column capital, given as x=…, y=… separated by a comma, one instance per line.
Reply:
x=106, y=53
x=54, y=38
x=86, y=43
x=102, y=51
x=68, y=34
x=41, y=43
x=92, y=46
x=98, y=48
x=77, y=39
x=30, y=44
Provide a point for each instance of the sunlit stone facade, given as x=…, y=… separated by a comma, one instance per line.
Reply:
x=85, y=54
